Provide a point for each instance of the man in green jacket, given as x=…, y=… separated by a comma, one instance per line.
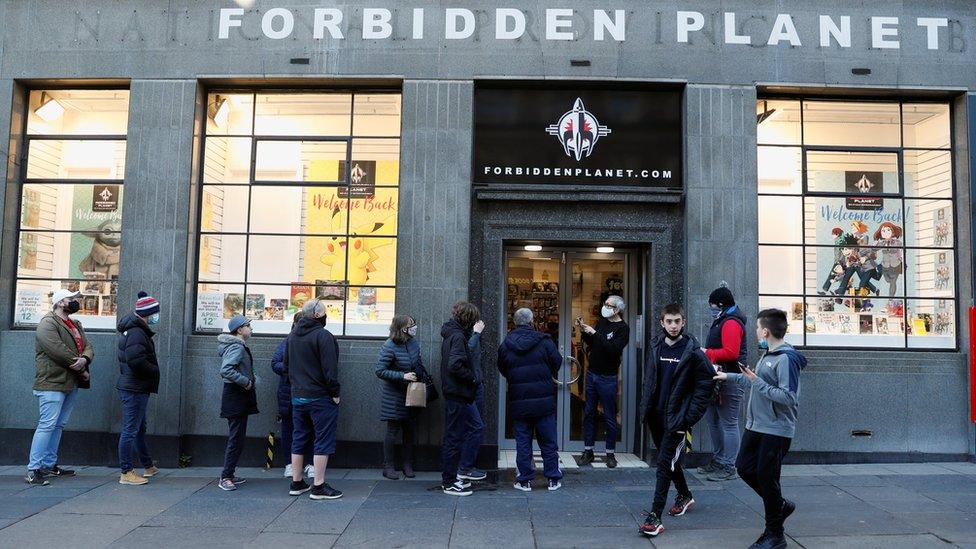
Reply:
x=63, y=355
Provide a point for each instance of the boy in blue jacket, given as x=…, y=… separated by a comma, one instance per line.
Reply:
x=774, y=391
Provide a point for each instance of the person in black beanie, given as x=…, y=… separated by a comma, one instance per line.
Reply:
x=138, y=378
x=726, y=347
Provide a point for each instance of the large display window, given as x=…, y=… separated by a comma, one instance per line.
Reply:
x=299, y=200
x=71, y=203
x=856, y=222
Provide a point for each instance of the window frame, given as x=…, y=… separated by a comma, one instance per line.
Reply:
x=901, y=196
x=255, y=138
x=23, y=180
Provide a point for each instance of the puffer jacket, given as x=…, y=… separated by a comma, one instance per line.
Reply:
x=138, y=365
x=394, y=362
x=55, y=350
x=691, y=386
x=529, y=360
x=237, y=370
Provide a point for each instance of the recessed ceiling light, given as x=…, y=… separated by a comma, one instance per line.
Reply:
x=533, y=248
x=605, y=249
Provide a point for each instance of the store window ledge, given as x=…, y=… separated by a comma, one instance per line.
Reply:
x=902, y=361
x=578, y=193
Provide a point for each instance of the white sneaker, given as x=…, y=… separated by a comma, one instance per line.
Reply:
x=288, y=470
x=309, y=470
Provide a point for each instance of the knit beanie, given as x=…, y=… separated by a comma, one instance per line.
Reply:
x=722, y=297
x=146, y=305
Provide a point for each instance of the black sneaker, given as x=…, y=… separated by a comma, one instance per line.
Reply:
x=586, y=458
x=523, y=485
x=35, y=479
x=59, y=472
x=324, y=491
x=554, y=484
x=298, y=488
x=682, y=504
x=652, y=526
x=457, y=489
x=769, y=541
x=788, y=508
x=611, y=460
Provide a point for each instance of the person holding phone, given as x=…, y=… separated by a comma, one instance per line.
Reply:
x=606, y=343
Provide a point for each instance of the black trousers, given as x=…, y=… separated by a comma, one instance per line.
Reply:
x=393, y=428
x=759, y=463
x=670, y=450
x=236, y=435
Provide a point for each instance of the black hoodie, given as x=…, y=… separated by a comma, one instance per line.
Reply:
x=312, y=360
x=138, y=366
x=459, y=380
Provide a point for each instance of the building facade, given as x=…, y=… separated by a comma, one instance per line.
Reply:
x=235, y=158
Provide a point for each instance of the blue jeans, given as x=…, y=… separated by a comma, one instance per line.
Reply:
x=476, y=428
x=133, y=429
x=457, y=417
x=602, y=389
x=723, y=424
x=545, y=432
x=55, y=409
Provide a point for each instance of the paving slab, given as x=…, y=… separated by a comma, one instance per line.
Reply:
x=186, y=537
x=16, y=507
x=65, y=530
x=308, y=516
x=912, y=541
x=117, y=499
x=804, y=471
x=919, y=469
x=859, y=519
x=293, y=541
x=859, y=469
x=855, y=480
x=697, y=539
x=955, y=526
x=210, y=512
x=413, y=528
x=507, y=534
x=492, y=509
x=568, y=535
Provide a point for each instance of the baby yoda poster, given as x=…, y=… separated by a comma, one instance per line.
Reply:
x=96, y=243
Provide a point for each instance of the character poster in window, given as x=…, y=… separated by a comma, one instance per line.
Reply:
x=96, y=244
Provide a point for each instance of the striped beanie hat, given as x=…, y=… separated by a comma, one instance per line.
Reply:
x=146, y=305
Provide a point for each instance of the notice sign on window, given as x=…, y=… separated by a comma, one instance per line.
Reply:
x=28, y=306
x=105, y=198
x=362, y=179
x=210, y=310
x=577, y=133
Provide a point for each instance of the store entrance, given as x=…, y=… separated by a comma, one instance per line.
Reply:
x=560, y=285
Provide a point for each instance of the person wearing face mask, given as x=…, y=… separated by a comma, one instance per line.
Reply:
x=399, y=364
x=238, y=399
x=606, y=342
x=285, y=407
x=677, y=388
x=774, y=394
x=726, y=347
x=138, y=378
x=63, y=355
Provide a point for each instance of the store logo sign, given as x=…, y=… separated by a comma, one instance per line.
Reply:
x=578, y=130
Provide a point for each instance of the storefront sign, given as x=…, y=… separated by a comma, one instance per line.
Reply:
x=577, y=134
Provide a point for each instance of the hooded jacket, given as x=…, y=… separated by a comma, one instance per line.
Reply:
x=774, y=397
x=138, y=365
x=55, y=350
x=312, y=360
x=237, y=369
x=691, y=386
x=529, y=360
x=459, y=380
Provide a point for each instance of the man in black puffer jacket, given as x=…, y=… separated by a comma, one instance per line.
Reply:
x=138, y=378
x=677, y=388
x=459, y=382
x=529, y=361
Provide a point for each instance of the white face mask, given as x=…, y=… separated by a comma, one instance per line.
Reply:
x=607, y=312
x=412, y=331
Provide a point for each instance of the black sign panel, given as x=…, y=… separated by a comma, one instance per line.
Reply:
x=577, y=134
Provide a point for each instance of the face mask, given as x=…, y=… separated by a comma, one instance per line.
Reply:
x=715, y=312
x=72, y=307
x=154, y=319
x=763, y=345
x=607, y=312
x=323, y=319
x=412, y=331
x=681, y=332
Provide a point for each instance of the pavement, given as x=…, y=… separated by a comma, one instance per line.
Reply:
x=865, y=506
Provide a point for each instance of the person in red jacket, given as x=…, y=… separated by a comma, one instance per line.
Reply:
x=725, y=346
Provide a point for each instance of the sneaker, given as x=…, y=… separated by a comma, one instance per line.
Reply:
x=44, y=472
x=652, y=526
x=611, y=460
x=554, y=484
x=473, y=474
x=227, y=485
x=35, y=479
x=587, y=457
x=769, y=541
x=288, y=470
x=457, y=489
x=390, y=473
x=408, y=470
x=310, y=471
x=722, y=472
x=59, y=472
x=523, y=485
x=150, y=471
x=788, y=508
x=298, y=488
x=132, y=479
x=708, y=468
x=324, y=491
x=464, y=484
x=239, y=480
x=682, y=504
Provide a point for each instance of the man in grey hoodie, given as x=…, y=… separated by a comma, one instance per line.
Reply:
x=774, y=391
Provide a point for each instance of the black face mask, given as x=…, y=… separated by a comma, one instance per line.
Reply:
x=323, y=320
x=681, y=333
x=72, y=307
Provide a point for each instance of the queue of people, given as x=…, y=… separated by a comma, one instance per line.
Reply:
x=683, y=383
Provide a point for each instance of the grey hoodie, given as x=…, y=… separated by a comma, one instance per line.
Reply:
x=774, y=396
x=235, y=360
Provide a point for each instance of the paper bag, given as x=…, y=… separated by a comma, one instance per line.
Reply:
x=416, y=395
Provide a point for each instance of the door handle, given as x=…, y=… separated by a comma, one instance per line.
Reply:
x=572, y=360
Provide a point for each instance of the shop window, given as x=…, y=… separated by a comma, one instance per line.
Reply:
x=71, y=203
x=299, y=200
x=856, y=222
